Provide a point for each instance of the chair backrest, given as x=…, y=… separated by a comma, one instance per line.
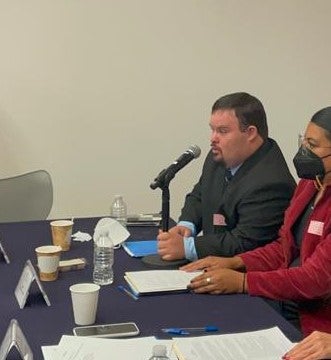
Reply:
x=26, y=197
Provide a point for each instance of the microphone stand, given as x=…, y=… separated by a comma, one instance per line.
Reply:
x=165, y=208
x=155, y=261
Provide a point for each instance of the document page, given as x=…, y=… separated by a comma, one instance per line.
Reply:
x=159, y=280
x=269, y=344
x=50, y=352
x=88, y=348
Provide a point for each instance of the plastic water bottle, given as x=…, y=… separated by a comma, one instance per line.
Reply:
x=103, y=273
x=118, y=210
x=159, y=353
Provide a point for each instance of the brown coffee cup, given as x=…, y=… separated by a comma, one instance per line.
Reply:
x=61, y=233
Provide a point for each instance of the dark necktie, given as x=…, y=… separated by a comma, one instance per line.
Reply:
x=228, y=175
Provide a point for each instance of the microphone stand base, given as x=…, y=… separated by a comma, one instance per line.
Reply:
x=154, y=261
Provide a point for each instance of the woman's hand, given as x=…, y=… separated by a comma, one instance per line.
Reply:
x=219, y=281
x=316, y=346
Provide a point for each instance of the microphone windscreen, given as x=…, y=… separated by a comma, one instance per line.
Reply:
x=195, y=150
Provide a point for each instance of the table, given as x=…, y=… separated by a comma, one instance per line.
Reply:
x=43, y=325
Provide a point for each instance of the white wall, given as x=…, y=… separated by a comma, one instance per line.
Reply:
x=105, y=94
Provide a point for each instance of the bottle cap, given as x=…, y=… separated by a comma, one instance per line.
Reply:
x=104, y=241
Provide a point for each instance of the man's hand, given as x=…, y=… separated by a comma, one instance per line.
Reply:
x=209, y=262
x=221, y=281
x=171, y=243
x=180, y=230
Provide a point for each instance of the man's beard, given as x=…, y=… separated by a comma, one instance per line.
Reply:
x=220, y=161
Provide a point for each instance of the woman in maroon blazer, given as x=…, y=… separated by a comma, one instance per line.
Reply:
x=297, y=266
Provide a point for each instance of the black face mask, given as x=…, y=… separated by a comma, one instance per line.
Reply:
x=308, y=165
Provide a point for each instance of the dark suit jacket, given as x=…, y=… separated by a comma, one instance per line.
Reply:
x=252, y=203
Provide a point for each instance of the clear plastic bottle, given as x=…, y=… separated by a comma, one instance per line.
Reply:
x=118, y=210
x=159, y=353
x=103, y=273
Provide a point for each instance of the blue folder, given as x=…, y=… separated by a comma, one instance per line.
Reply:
x=140, y=248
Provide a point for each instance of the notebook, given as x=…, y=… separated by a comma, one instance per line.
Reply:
x=159, y=281
x=140, y=248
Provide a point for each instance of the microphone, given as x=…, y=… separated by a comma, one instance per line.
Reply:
x=167, y=174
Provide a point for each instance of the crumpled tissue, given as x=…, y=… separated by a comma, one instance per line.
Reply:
x=81, y=236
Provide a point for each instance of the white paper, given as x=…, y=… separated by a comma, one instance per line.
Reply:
x=50, y=352
x=269, y=344
x=22, y=289
x=159, y=280
x=82, y=348
x=24, y=283
x=112, y=229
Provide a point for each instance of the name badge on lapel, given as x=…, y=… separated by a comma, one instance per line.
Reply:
x=219, y=220
x=316, y=227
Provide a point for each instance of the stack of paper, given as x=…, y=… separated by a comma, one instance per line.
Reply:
x=159, y=281
x=82, y=347
x=269, y=344
x=144, y=219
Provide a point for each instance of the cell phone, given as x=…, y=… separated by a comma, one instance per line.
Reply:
x=108, y=330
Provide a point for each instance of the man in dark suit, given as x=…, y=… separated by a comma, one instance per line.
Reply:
x=245, y=187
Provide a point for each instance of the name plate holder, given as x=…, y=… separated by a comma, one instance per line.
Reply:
x=22, y=289
x=15, y=338
x=4, y=254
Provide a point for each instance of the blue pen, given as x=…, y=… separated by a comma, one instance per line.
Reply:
x=187, y=331
x=127, y=292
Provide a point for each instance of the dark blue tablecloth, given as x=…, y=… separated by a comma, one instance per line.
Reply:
x=43, y=325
